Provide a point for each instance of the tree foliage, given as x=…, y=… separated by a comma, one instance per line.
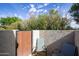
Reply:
x=9, y=20
x=74, y=10
x=50, y=21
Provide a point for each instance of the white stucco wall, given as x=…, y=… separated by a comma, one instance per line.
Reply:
x=35, y=37
x=14, y=31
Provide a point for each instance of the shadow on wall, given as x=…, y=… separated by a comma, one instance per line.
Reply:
x=7, y=43
x=56, y=46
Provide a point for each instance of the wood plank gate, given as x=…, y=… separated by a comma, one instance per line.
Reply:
x=24, y=43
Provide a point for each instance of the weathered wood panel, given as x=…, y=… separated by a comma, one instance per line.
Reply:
x=24, y=43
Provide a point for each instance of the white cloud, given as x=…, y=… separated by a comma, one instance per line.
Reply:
x=40, y=6
x=74, y=25
x=45, y=11
x=64, y=10
x=32, y=10
x=40, y=10
x=15, y=15
x=69, y=16
x=45, y=4
x=32, y=5
x=18, y=16
x=57, y=7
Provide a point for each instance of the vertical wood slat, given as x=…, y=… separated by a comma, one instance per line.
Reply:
x=24, y=43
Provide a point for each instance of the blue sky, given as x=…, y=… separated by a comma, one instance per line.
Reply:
x=22, y=10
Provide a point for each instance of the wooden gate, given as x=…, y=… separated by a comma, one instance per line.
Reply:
x=24, y=43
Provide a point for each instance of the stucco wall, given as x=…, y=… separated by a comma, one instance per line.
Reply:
x=7, y=43
x=35, y=34
x=54, y=39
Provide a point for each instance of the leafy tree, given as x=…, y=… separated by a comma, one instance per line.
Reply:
x=50, y=21
x=42, y=21
x=56, y=22
x=14, y=25
x=74, y=10
x=29, y=24
x=8, y=20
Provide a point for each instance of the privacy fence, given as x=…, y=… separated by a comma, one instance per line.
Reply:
x=22, y=43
